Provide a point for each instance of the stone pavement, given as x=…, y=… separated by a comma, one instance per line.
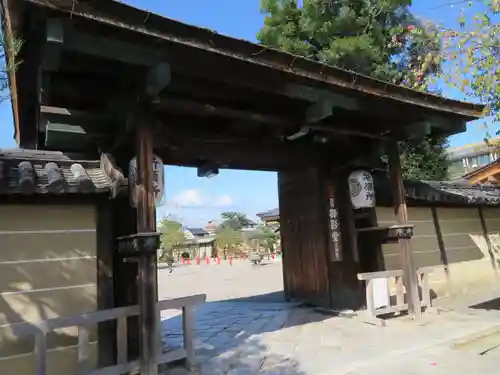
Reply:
x=252, y=335
x=277, y=338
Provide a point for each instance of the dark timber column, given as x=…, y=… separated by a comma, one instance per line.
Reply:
x=398, y=192
x=346, y=291
x=146, y=223
x=125, y=272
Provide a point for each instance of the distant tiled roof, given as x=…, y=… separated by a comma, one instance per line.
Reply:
x=198, y=231
x=444, y=192
x=458, y=192
x=49, y=172
x=269, y=214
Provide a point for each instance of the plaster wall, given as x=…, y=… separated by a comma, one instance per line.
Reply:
x=47, y=269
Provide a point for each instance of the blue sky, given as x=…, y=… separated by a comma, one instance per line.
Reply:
x=193, y=200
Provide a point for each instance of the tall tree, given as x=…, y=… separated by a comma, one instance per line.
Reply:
x=266, y=235
x=226, y=238
x=172, y=236
x=363, y=36
x=235, y=220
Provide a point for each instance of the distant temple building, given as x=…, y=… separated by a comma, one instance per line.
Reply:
x=270, y=218
x=468, y=158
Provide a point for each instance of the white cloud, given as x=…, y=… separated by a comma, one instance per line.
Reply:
x=188, y=198
x=195, y=198
x=223, y=201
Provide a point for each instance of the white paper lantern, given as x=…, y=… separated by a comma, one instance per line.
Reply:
x=158, y=180
x=361, y=189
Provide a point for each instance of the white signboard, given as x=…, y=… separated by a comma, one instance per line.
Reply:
x=362, y=189
x=158, y=182
x=381, y=296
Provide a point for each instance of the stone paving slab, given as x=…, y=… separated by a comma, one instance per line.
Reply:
x=436, y=360
x=240, y=338
x=244, y=329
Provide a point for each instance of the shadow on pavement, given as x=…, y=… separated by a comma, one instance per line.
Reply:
x=274, y=297
x=229, y=335
x=492, y=304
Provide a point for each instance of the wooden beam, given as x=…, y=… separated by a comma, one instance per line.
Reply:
x=343, y=131
x=61, y=111
x=401, y=212
x=494, y=179
x=51, y=59
x=315, y=113
x=316, y=95
x=192, y=107
x=483, y=174
x=253, y=155
x=68, y=136
x=112, y=49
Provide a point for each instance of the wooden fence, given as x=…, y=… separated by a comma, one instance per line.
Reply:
x=120, y=314
x=387, y=306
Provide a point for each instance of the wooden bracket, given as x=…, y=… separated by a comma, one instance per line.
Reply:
x=157, y=79
x=318, y=111
x=54, y=45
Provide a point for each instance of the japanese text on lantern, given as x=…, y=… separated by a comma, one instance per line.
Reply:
x=334, y=228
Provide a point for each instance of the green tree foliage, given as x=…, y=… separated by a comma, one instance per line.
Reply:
x=12, y=48
x=432, y=168
x=235, y=220
x=172, y=236
x=266, y=235
x=354, y=35
x=226, y=238
x=369, y=37
x=470, y=52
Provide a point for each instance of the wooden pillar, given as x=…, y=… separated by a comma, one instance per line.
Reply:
x=346, y=290
x=106, y=331
x=146, y=223
x=125, y=271
x=398, y=192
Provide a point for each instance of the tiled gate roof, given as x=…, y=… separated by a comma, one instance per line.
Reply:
x=49, y=172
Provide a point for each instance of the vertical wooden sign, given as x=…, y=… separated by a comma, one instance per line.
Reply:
x=335, y=241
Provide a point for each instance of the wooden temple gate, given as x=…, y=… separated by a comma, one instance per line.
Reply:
x=105, y=78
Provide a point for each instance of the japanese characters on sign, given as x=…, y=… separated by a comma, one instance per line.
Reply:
x=335, y=244
x=362, y=189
